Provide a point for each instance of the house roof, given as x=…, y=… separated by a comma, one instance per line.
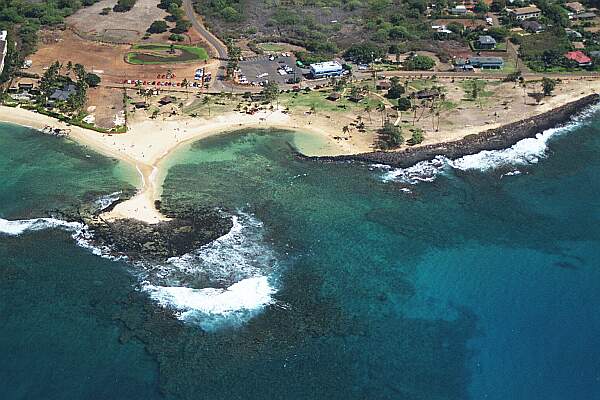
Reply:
x=595, y=53
x=575, y=6
x=578, y=56
x=167, y=99
x=426, y=93
x=384, y=84
x=585, y=15
x=64, y=93
x=532, y=26
x=486, y=40
x=578, y=45
x=486, y=60
x=526, y=10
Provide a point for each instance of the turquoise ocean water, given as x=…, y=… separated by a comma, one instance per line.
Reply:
x=474, y=279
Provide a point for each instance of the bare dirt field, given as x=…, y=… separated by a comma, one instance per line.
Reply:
x=107, y=60
x=116, y=27
x=104, y=104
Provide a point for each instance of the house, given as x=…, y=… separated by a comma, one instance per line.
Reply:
x=426, y=94
x=579, y=57
x=384, y=85
x=140, y=104
x=458, y=10
x=483, y=62
x=357, y=97
x=334, y=96
x=326, y=69
x=595, y=54
x=524, y=13
x=64, y=93
x=3, y=48
x=532, y=26
x=486, y=42
x=575, y=6
x=462, y=66
x=573, y=34
x=578, y=45
x=585, y=15
x=166, y=100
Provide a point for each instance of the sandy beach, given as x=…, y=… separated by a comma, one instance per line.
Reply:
x=149, y=141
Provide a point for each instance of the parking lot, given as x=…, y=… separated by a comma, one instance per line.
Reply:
x=254, y=69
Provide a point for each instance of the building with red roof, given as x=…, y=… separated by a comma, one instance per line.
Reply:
x=579, y=57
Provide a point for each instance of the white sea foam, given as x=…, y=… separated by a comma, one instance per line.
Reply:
x=104, y=201
x=17, y=227
x=240, y=260
x=214, y=308
x=525, y=152
x=424, y=171
x=234, y=256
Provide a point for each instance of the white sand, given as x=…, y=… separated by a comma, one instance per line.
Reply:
x=149, y=141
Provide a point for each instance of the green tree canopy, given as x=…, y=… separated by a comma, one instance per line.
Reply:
x=92, y=80
x=158, y=27
x=419, y=63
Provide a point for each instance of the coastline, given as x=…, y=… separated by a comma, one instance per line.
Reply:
x=150, y=142
x=491, y=139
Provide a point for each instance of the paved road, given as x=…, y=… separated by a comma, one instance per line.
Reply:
x=209, y=37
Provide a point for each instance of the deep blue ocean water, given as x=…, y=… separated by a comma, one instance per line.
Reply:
x=482, y=283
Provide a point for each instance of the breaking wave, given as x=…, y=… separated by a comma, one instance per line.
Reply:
x=213, y=308
x=223, y=283
x=103, y=202
x=525, y=152
x=424, y=171
x=18, y=227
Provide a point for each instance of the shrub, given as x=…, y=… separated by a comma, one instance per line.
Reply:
x=158, y=27
x=404, y=104
x=182, y=26
x=391, y=135
x=176, y=38
x=92, y=80
x=124, y=5
x=419, y=63
x=417, y=136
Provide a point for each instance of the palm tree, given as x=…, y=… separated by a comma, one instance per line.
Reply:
x=206, y=102
x=184, y=83
x=368, y=109
x=381, y=109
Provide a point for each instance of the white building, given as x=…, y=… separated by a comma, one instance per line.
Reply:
x=524, y=13
x=325, y=69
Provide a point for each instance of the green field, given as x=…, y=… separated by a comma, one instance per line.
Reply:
x=318, y=101
x=271, y=47
x=158, y=54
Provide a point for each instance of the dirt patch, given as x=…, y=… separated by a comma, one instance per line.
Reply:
x=116, y=27
x=104, y=104
x=107, y=60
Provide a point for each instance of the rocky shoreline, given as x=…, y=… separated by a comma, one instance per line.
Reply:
x=185, y=231
x=493, y=139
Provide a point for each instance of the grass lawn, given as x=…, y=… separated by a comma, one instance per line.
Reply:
x=154, y=54
x=318, y=101
x=271, y=47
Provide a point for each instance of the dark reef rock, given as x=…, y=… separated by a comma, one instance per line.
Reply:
x=493, y=139
x=142, y=241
